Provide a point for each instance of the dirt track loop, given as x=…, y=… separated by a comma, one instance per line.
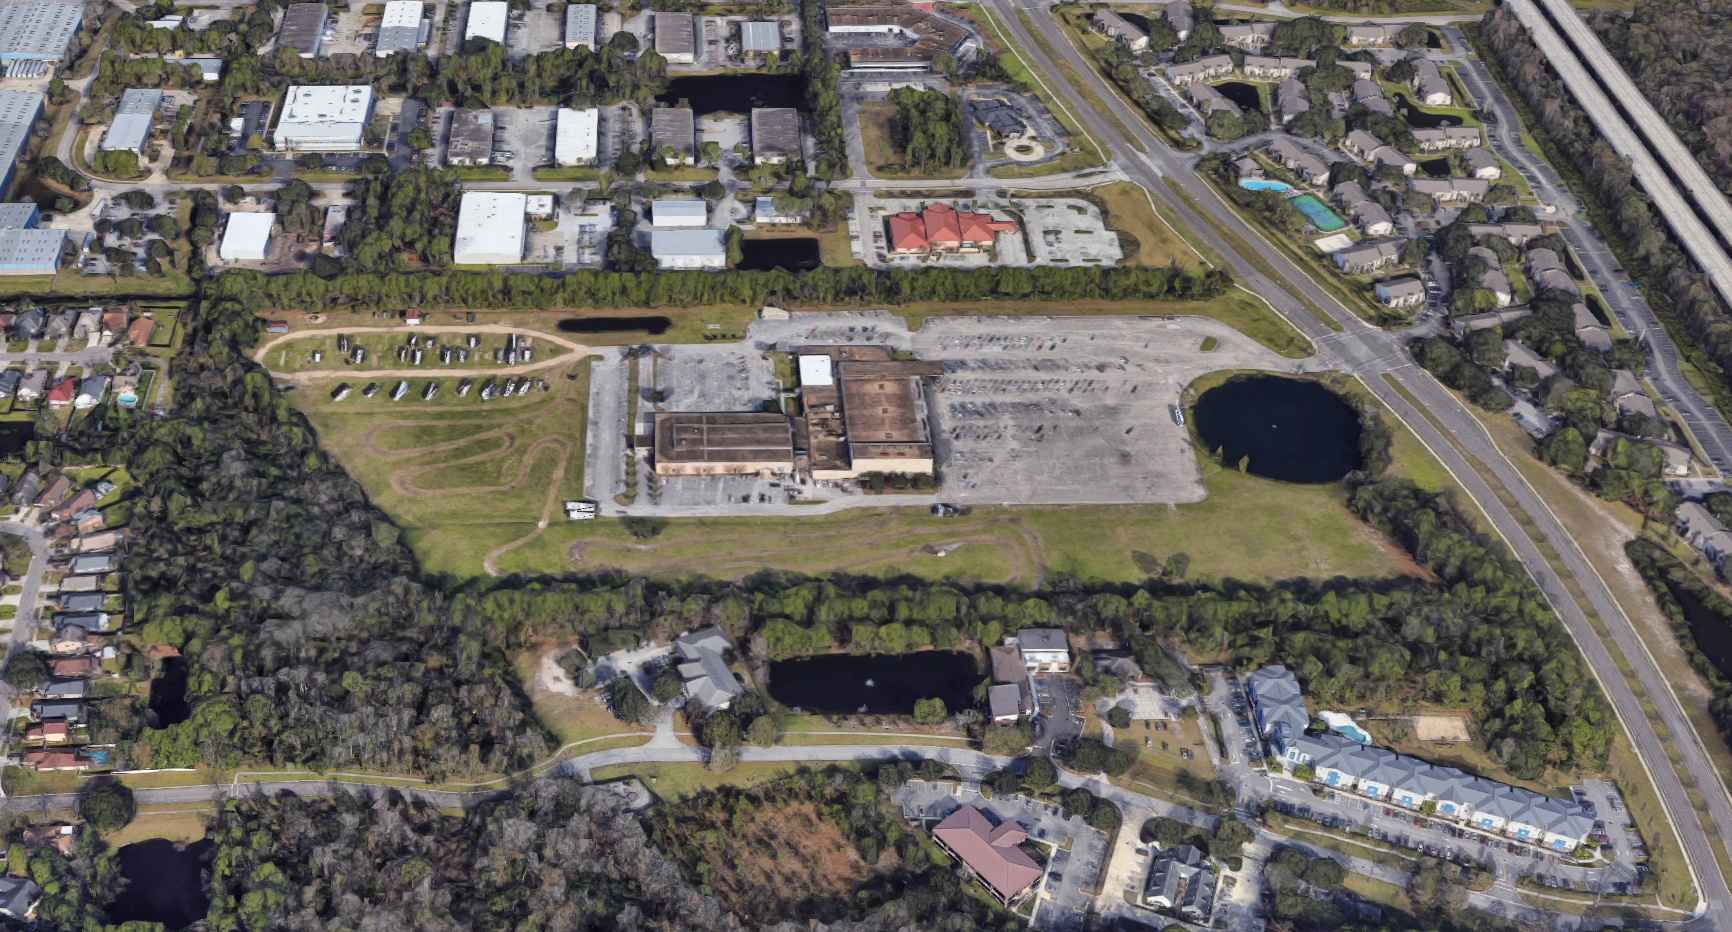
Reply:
x=575, y=351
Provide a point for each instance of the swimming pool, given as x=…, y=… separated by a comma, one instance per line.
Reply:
x=1265, y=185
x=1320, y=216
x=1354, y=733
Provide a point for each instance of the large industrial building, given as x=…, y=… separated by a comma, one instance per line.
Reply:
x=580, y=25
x=38, y=30
x=131, y=126
x=303, y=28
x=672, y=130
x=862, y=412
x=247, y=238
x=775, y=135
x=688, y=249
x=930, y=34
x=676, y=38
x=18, y=113
x=325, y=119
x=675, y=212
x=758, y=38
x=24, y=249
x=487, y=20
x=470, y=141
x=490, y=228
x=400, y=29
x=574, y=141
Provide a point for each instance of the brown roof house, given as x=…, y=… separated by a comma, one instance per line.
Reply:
x=114, y=322
x=47, y=733
x=77, y=503
x=139, y=333
x=44, y=759
x=990, y=852
x=56, y=491
x=63, y=838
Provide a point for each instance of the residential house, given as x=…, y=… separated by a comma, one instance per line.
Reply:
x=73, y=666
x=18, y=898
x=1462, y=326
x=43, y=759
x=81, y=601
x=25, y=491
x=62, y=392
x=1260, y=68
x=89, y=325
x=1377, y=105
x=1361, y=144
x=126, y=385
x=1362, y=71
x=1389, y=155
x=140, y=332
x=42, y=734
x=1277, y=702
x=1373, y=220
x=1181, y=881
x=1446, y=137
x=704, y=667
x=1004, y=703
x=1516, y=354
x=1364, y=90
x=68, y=688
x=1555, y=280
x=1517, y=233
x=62, y=838
x=93, y=563
x=1248, y=36
x=1114, y=26
x=56, y=491
x=1701, y=530
x=1211, y=101
x=1496, y=282
x=114, y=323
x=1349, y=195
x=1298, y=160
x=1044, y=650
x=66, y=710
x=31, y=387
x=1589, y=330
x=71, y=639
x=77, y=503
x=1368, y=256
x=1450, y=190
x=1293, y=101
x=1181, y=15
x=1540, y=260
x=1628, y=396
x=28, y=325
x=100, y=542
x=90, y=391
x=58, y=327
x=1374, y=34
x=1407, y=291
x=990, y=852
x=1482, y=164
x=9, y=382
x=1203, y=69
x=92, y=622
x=1429, y=86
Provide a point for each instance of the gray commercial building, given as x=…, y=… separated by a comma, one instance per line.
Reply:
x=132, y=119
x=35, y=30
x=775, y=135
x=580, y=25
x=18, y=113
x=399, y=29
x=303, y=26
x=470, y=141
x=673, y=128
x=757, y=38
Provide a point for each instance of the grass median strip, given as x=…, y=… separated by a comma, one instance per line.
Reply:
x=1237, y=244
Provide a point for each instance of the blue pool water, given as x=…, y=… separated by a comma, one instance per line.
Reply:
x=1320, y=216
x=1265, y=185
x=1354, y=733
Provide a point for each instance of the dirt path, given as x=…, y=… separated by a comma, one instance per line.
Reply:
x=575, y=351
x=487, y=562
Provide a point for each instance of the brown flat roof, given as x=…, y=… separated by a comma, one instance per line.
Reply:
x=847, y=353
x=913, y=53
x=890, y=451
x=888, y=369
x=724, y=438
x=775, y=131
x=471, y=135
x=302, y=24
x=672, y=127
x=881, y=411
x=675, y=33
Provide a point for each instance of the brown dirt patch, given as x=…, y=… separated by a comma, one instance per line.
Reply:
x=778, y=862
x=1439, y=728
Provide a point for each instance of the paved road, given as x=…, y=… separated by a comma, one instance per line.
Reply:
x=1373, y=355
x=1702, y=419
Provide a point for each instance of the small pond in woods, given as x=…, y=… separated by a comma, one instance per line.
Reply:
x=161, y=882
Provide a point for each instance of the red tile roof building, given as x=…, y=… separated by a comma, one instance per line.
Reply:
x=941, y=228
x=61, y=394
x=43, y=759
x=990, y=852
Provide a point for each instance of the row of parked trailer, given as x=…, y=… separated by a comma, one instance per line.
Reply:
x=492, y=388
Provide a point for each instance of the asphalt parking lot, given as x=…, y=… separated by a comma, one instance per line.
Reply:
x=1035, y=411
x=523, y=139
x=530, y=32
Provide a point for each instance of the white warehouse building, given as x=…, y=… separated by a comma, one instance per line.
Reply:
x=247, y=238
x=490, y=228
x=400, y=29
x=131, y=126
x=575, y=140
x=487, y=21
x=679, y=212
x=580, y=25
x=325, y=119
x=688, y=249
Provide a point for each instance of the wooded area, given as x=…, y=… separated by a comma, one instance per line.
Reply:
x=1673, y=585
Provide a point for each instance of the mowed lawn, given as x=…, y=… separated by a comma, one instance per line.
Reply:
x=459, y=476
x=1247, y=528
x=1129, y=210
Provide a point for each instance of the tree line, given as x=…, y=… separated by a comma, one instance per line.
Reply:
x=1648, y=248
x=1682, y=594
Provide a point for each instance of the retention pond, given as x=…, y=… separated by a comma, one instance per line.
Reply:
x=873, y=684
x=734, y=93
x=1294, y=430
x=161, y=882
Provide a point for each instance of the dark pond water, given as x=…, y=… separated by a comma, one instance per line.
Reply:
x=1712, y=633
x=653, y=326
x=162, y=883
x=735, y=93
x=838, y=683
x=794, y=254
x=1292, y=429
x=1436, y=168
x=14, y=435
x=1422, y=119
x=1137, y=19
x=168, y=693
x=1245, y=95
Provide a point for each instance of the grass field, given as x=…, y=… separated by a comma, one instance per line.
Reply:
x=177, y=822
x=883, y=159
x=462, y=479
x=1129, y=209
x=1163, y=765
x=679, y=780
